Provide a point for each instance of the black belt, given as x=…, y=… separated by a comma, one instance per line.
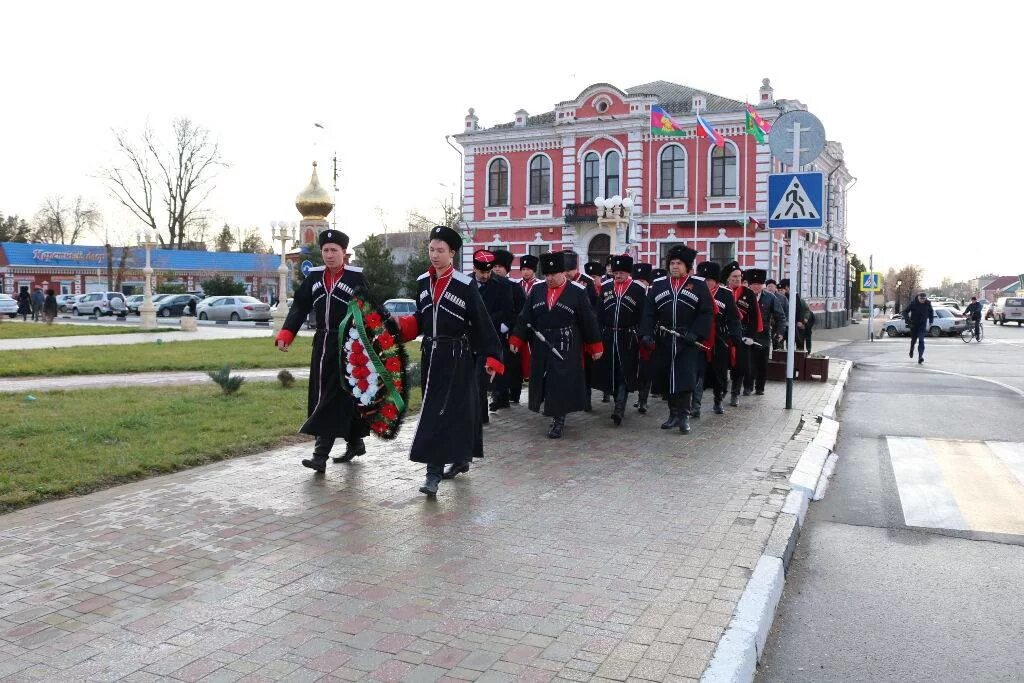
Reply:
x=620, y=329
x=556, y=329
x=443, y=337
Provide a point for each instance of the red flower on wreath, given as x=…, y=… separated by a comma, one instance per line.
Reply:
x=379, y=427
x=373, y=321
x=358, y=359
x=389, y=411
x=398, y=385
x=357, y=346
x=362, y=372
x=363, y=385
x=393, y=364
x=386, y=341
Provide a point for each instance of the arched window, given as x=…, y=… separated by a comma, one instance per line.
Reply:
x=497, y=183
x=723, y=171
x=591, y=176
x=673, y=172
x=612, y=174
x=540, y=180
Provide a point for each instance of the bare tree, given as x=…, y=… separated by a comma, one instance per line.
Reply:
x=253, y=243
x=178, y=176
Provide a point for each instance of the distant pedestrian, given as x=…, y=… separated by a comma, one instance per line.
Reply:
x=192, y=306
x=49, y=307
x=24, y=305
x=919, y=316
x=38, y=298
x=885, y=308
x=118, y=307
x=973, y=314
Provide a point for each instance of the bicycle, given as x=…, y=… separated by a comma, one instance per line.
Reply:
x=968, y=334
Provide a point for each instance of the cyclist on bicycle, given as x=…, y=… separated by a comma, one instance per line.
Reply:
x=973, y=313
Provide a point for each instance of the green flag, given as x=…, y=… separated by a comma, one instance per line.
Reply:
x=754, y=129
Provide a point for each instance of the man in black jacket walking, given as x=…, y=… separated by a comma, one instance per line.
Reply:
x=919, y=317
x=973, y=313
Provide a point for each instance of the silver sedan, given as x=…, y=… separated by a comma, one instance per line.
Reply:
x=233, y=308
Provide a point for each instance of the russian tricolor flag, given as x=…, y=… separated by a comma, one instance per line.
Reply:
x=706, y=130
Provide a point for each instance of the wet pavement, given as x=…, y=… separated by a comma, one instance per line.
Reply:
x=610, y=554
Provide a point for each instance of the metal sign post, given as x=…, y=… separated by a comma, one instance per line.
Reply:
x=871, y=302
x=795, y=200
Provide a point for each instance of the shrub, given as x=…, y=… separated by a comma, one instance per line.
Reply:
x=228, y=383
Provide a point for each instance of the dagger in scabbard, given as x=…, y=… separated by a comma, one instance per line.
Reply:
x=673, y=332
x=541, y=337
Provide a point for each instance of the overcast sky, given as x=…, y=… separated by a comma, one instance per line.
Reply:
x=912, y=90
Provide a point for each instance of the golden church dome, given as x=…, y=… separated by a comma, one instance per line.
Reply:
x=314, y=203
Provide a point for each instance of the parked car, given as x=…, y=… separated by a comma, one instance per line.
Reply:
x=895, y=326
x=274, y=307
x=945, y=322
x=8, y=306
x=233, y=308
x=66, y=301
x=1008, y=309
x=96, y=303
x=398, y=307
x=173, y=305
x=134, y=303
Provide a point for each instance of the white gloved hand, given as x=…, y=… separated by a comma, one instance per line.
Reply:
x=748, y=341
x=504, y=328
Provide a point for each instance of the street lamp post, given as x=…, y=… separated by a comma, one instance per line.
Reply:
x=615, y=211
x=284, y=231
x=896, y=304
x=147, y=313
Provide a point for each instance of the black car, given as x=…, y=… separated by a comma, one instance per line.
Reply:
x=176, y=305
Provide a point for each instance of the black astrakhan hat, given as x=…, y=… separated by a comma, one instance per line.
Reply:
x=728, y=268
x=755, y=276
x=332, y=236
x=447, y=235
x=658, y=272
x=622, y=262
x=503, y=257
x=572, y=260
x=709, y=269
x=552, y=262
x=643, y=271
x=528, y=261
x=682, y=253
x=593, y=268
x=783, y=283
x=483, y=259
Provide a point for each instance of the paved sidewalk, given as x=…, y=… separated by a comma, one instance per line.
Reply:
x=134, y=379
x=610, y=554
x=202, y=332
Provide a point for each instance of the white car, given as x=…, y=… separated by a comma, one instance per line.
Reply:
x=945, y=322
x=8, y=306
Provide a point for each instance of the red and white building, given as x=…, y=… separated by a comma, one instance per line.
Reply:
x=529, y=186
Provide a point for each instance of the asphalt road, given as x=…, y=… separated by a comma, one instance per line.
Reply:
x=911, y=566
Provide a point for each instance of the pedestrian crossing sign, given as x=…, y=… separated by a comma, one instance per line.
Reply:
x=796, y=200
x=870, y=281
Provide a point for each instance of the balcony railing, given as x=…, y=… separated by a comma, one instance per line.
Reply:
x=580, y=213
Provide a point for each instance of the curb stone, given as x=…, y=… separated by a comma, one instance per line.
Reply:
x=740, y=649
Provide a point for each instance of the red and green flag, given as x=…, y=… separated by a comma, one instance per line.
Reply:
x=662, y=123
x=757, y=125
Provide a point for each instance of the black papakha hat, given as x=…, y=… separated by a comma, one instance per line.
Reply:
x=529, y=261
x=552, y=262
x=333, y=236
x=593, y=268
x=709, y=269
x=571, y=259
x=503, y=257
x=756, y=276
x=682, y=253
x=447, y=235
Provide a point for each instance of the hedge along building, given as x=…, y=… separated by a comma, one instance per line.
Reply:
x=529, y=186
x=79, y=269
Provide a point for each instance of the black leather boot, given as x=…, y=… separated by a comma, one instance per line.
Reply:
x=620, y=405
x=434, y=475
x=557, y=425
x=734, y=400
x=316, y=463
x=673, y=412
x=353, y=449
x=684, y=418
x=718, y=409
x=455, y=469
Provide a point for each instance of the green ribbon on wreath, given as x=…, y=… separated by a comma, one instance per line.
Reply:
x=356, y=315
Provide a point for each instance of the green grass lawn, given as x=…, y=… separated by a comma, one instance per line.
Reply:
x=34, y=330
x=73, y=442
x=251, y=352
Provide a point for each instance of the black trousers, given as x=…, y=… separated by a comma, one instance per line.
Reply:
x=807, y=340
x=323, y=445
x=741, y=371
x=758, y=368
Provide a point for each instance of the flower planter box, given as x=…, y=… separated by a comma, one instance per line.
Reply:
x=798, y=362
x=815, y=368
x=776, y=371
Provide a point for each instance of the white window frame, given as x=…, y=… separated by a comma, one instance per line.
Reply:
x=736, y=150
x=686, y=173
x=721, y=240
x=508, y=184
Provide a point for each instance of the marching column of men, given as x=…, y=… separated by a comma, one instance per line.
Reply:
x=667, y=332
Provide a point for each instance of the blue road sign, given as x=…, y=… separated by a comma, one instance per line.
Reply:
x=306, y=266
x=796, y=200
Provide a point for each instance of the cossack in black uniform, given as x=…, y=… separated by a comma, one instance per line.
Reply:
x=619, y=311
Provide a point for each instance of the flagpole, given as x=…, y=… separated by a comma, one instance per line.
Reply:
x=696, y=180
x=744, y=187
x=650, y=190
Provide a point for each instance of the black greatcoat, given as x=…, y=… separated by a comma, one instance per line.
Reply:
x=455, y=332
x=773, y=316
x=728, y=334
x=570, y=326
x=674, y=363
x=512, y=380
x=619, y=318
x=331, y=410
x=496, y=294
